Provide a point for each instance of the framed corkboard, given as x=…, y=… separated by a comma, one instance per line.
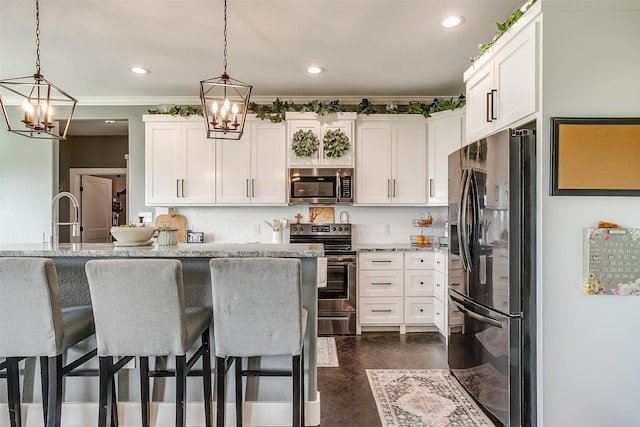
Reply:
x=595, y=157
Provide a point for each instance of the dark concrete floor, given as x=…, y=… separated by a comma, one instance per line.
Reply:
x=346, y=398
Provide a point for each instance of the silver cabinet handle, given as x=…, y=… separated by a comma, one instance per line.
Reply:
x=431, y=187
x=381, y=283
x=253, y=188
x=182, y=187
x=394, y=188
x=494, y=93
x=247, y=187
x=489, y=103
x=380, y=260
x=177, y=188
x=388, y=188
x=381, y=311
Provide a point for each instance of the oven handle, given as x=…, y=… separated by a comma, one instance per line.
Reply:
x=340, y=261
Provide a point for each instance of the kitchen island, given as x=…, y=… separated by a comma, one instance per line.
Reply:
x=267, y=399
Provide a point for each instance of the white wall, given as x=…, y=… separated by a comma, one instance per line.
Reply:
x=590, y=344
x=28, y=174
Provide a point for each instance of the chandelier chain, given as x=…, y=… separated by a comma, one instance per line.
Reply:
x=225, y=37
x=37, y=37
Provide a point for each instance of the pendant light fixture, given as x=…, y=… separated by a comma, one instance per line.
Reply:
x=38, y=97
x=225, y=101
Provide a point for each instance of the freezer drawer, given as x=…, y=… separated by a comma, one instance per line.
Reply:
x=485, y=357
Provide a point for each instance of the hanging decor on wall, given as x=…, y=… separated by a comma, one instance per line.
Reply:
x=611, y=261
x=39, y=98
x=225, y=101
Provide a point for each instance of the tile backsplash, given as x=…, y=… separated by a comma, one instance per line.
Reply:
x=370, y=224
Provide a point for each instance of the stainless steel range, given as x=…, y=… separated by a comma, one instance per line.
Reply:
x=336, y=301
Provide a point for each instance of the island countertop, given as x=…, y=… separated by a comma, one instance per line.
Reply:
x=181, y=250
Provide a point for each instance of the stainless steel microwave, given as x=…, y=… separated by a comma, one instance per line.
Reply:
x=321, y=185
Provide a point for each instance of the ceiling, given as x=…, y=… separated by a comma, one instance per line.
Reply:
x=379, y=49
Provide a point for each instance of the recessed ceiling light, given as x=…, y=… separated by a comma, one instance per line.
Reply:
x=452, y=21
x=315, y=70
x=139, y=70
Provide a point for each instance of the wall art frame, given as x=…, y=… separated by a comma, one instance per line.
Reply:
x=595, y=156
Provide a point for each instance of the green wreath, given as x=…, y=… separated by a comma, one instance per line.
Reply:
x=336, y=143
x=304, y=143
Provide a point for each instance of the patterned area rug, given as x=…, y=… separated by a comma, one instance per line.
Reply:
x=430, y=398
x=327, y=353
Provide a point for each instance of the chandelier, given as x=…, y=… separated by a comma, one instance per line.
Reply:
x=225, y=101
x=39, y=97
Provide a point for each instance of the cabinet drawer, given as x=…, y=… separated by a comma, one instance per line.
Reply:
x=380, y=261
x=375, y=283
x=418, y=310
x=380, y=310
x=418, y=260
x=455, y=279
x=418, y=283
x=440, y=262
x=439, y=286
x=438, y=314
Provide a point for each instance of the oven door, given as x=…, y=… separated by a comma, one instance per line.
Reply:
x=337, y=301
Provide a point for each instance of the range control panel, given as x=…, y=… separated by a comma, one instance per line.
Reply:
x=320, y=229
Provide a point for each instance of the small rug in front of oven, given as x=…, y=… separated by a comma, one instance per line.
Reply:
x=326, y=352
x=426, y=397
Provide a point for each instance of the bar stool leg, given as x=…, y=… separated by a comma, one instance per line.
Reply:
x=296, y=390
x=144, y=390
x=44, y=385
x=54, y=392
x=206, y=377
x=220, y=390
x=181, y=383
x=13, y=390
x=239, y=398
x=106, y=391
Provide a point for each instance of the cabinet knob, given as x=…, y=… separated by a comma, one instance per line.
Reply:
x=421, y=310
x=421, y=260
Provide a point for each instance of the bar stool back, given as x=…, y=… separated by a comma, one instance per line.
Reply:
x=32, y=324
x=257, y=311
x=140, y=311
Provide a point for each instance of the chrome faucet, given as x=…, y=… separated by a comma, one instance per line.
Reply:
x=75, y=225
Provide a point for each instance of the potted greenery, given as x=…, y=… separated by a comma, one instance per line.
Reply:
x=167, y=236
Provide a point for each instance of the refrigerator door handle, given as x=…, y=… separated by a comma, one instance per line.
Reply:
x=463, y=232
x=477, y=316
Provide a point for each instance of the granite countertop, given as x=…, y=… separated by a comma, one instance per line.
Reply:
x=181, y=250
x=398, y=247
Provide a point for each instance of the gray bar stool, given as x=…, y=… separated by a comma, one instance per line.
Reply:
x=139, y=309
x=257, y=311
x=32, y=324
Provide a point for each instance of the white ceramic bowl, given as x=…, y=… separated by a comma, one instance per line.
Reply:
x=132, y=234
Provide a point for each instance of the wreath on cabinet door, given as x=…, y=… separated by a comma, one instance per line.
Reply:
x=304, y=143
x=335, y=143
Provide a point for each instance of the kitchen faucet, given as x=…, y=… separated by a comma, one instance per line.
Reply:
x=75, y=225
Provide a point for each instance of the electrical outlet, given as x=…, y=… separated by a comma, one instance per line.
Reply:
x=146, y=216
x=385, y=229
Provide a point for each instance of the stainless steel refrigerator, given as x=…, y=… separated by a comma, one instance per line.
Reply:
x=491, y=273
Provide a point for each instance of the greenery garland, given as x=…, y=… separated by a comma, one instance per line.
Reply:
x=179, y=110
x=304, y=143
x=336, y=143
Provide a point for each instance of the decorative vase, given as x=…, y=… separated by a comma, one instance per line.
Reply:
x=168, y=238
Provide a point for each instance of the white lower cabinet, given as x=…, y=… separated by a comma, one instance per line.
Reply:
x=396, y=291
x=440, y=292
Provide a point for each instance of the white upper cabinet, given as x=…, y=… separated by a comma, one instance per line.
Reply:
x=445, y=134
x=252, y=170
x=319, y=125
x=391, y=161
x=179, y=161
x=502, y=85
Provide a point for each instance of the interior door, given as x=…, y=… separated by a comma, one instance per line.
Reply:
x=95, y=207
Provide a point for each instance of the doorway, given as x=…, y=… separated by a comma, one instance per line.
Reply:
x=93, y=166
x=102, y=194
